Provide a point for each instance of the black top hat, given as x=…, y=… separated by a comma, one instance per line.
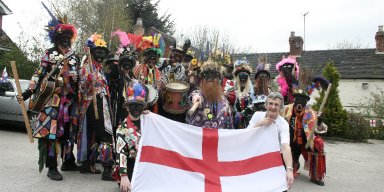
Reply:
x=150, y=53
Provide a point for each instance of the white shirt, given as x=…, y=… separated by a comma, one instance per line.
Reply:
x=280, y=123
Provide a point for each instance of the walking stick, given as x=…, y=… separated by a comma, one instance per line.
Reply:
x=22, y=104
x=311, y=134
x=93, y=84
x=193, y=108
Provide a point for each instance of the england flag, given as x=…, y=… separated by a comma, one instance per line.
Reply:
x=178, y=157
x=4, y=76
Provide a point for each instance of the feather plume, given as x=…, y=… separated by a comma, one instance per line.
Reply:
x=186, y=45
x=123, y=37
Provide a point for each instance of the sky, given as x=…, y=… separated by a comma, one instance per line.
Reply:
x=264, y=26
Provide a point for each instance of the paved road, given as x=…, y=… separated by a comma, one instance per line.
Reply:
x=351, y=167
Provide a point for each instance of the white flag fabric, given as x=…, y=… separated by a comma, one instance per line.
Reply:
x=177, y=157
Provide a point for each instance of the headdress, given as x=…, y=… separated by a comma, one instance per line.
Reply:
x=289, y=61
x=136, y=93
x=96, y=41
x=242, y=66
x=59, y=25
x=210, y=67
x=151, y=53
x=307, y=83
x=262, y=72
x=260, y=99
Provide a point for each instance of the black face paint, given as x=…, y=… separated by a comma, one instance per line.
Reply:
x=243, y=76
x=210, y=75
x=99, y=55
x=287, y=68
x=135, y=109
x=300, y=103
x=64, y=39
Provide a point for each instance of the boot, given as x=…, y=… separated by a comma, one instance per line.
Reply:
x=318, y=182
x=87, y=168
x=54, y=174
x=69, y=166
x=107, y=174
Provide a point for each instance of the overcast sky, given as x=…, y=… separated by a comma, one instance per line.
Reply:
x=263, y=25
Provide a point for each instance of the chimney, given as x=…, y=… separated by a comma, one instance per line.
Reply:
x=380, y=40
x=138, y=28
x=295, y=45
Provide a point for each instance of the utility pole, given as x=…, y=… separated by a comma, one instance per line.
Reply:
x=304, y=15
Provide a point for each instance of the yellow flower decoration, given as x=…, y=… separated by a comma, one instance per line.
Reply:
x=194, y=62
x=100, y=43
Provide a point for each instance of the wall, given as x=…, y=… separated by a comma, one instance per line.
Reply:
x=351, y=91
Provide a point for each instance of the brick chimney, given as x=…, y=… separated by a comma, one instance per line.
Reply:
x=295, y=44
x=380, y=40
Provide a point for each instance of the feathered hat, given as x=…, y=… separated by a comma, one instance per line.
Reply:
x=210, y=67
x=96, y=41
x=242, y=66
x=258, y=73
x=136, y=93
x=59, y=25
x=289, y=61
x=307, y=83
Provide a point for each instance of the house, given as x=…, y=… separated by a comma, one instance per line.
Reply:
x=361, y=70
x=4, y=39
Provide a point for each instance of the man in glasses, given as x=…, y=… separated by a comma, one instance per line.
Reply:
x=210, y=108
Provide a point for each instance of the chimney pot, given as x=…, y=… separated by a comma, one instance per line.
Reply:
x=292, y=33
x=380, y=28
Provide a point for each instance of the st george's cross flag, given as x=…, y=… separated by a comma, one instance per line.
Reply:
x=176, y=157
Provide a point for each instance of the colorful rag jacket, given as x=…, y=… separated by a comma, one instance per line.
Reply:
x=309, y=119
x=146, y=75
x=86, y=89
x=127, y=141
x=62, y=107
x=211, y=114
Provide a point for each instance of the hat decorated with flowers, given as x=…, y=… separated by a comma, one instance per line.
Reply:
x=58, y=28
x=288, y=61
x=96, y=41
x=242, y=66
x=136, y=93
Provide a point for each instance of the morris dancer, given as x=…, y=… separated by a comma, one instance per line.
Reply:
x=57, y=122
x=210, y=108
x=128, y=136
x=288, y=76
x=243, y=92
x=95, y=137
x=148, y=74
x=301, y=121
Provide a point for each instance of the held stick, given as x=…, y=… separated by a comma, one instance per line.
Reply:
x=93, y=85
x=311, y=134
x=22, y=104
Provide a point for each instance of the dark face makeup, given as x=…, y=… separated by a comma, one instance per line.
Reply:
x=99, y=55
x=243, y=76
x=300, y=103
x=64, y=39
x=135, y=109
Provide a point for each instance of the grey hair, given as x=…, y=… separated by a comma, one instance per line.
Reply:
x=276, y=95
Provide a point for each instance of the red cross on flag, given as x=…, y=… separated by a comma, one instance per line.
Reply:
x=178, y=157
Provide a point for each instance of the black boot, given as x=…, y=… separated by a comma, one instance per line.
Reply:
x=86, y=167
x=69, y=166
x=318, y=182
x=54, y=174
x=107, y=174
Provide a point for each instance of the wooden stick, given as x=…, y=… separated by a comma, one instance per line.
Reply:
x=93, y=85
x=22, y=104
x=311, y=134
x=194, y=107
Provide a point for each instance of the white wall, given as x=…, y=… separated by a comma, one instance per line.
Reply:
x=351, y=91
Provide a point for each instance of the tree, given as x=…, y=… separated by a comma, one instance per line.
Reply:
x=147, y=11
x=334, y=115
x=345, y=44
x=102, y=16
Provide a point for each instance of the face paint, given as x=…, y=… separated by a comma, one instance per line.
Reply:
x=243, y=76
x=210, y=75
x=99, y=55
x=64, y=39
x=135, y=109
x=299, y=104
